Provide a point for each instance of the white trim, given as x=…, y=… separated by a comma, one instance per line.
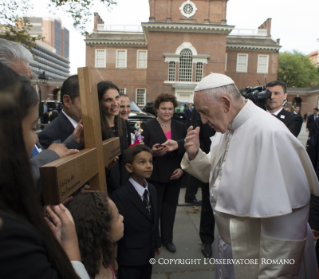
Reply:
x=144, y=96
x=189, y=28
x=121, y=58
x=188, y=15
x=248, y=47
x=262, y=65
x=186, y=45
x=242, y=63
x=100, y=58
x=140, y=63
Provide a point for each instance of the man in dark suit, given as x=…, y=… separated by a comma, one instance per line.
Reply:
x=311, y=121
x=297, y=110
x=44, y=112
x=63, y=126
x=18, y=58
x=188, y=115
x=207, y=220
x=274, y=106
x=137, y=202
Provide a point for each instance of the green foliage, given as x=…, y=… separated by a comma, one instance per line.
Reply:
x=15, y=27
x=79, y=10
x=296, y=70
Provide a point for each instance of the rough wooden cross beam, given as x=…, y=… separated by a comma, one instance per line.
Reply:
x=63, y=177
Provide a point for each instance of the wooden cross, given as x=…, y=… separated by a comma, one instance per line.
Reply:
x=61, y=178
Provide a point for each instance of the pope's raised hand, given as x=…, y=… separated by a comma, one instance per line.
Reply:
x=192, y=142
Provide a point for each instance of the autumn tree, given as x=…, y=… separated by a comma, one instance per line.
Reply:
x=296, y=70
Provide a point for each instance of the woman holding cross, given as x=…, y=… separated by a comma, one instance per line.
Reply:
x=113, y=126
x=30, y=245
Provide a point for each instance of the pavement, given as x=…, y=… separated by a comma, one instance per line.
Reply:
x=188, y=261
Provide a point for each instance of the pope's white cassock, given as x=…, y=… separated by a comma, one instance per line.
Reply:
x=260, y=181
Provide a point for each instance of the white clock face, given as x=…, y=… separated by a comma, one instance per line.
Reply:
x=188, y=9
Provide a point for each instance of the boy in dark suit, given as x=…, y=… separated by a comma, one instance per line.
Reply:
x=137, y=202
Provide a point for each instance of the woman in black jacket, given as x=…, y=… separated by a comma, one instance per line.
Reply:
x=166, y=176
x=113, y=126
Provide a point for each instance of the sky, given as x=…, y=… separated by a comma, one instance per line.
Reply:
x=296, y=23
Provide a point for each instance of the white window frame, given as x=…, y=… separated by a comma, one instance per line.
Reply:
x=261, y=69
x=140, y=64
x=117, y=64
x=122, y=90
x=100, y=60
x=185, y=72
x=241, y=66
x=199, y=71
x=144, y=96
x=170, y=70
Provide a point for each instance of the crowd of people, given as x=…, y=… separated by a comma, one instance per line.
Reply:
x=258, y=182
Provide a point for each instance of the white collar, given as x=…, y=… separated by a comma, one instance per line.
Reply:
x=73, y=122
x=242, y=116
x=276, y=112
x=139, y=188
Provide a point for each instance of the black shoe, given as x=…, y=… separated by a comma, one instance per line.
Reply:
x=170, y=247
x=193, y=201
x=207, y=250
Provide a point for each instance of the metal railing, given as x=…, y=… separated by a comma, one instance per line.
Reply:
x=249, y=32
x=123, y=28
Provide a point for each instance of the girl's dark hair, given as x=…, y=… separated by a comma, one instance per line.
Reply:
x=17, y=191
x=107, y=132
x=165, y=97
x=92, y=216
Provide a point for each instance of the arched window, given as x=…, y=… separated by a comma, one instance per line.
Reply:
x=185, y=65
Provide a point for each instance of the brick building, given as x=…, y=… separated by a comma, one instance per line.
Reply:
x=182, y=42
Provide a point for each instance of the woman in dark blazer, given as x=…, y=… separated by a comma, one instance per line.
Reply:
x=166, y=176
x=113, y=126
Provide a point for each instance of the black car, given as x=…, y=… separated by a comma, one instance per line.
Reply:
x=178, y=114
x=137, y=114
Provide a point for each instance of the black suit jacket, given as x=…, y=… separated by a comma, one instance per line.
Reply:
x=165, y=165
x=188, y=116
x=59, y=129
x=205, y=132
x=291, y=120
x=310, y=123
x=141, y=234
x=23, y=254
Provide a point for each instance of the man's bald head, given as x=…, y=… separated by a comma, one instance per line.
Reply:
x=16, y=56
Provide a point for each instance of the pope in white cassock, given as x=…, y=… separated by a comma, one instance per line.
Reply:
x=260, y=181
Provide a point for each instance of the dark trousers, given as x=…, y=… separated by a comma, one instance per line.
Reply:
x=167, y=197
x=192, y=187
x=135, y=272
x=207, y=220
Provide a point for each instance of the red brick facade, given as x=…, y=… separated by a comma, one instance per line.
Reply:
x=197, y=25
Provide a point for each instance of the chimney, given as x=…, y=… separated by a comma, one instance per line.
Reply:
x=278, y=41
x=266, y=25
x=97, y=20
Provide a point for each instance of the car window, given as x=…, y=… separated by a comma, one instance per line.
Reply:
x=134, y=107
x=180, y=108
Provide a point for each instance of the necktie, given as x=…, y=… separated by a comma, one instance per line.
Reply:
x=146, y=202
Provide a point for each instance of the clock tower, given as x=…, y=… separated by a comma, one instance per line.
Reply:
x=186, y=41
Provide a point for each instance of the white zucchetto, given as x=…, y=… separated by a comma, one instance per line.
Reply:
x=213, y=81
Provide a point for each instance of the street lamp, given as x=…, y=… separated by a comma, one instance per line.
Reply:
x=41, y=79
